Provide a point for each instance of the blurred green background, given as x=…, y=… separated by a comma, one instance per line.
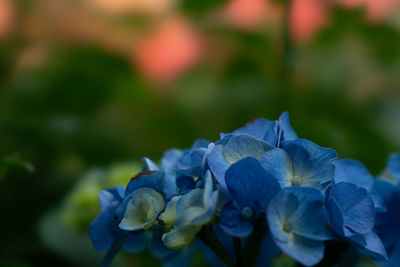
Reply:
x=88, y=87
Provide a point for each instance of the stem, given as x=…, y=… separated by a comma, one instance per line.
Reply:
x=208, y=237
x=255, y=240
x=238, y=251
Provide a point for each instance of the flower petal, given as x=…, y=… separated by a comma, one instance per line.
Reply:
x=311, y=162
x=352, y=171
x=248, y=182
x=394, y=165
x=306, y=251
x=288, y=133
x=180, y=236
x=279, y=164
x=256, y=128
x=217, y=163
x=242, y=146
x=169, y=216
x=356, y=207
x=142, y=210
x=370, y=244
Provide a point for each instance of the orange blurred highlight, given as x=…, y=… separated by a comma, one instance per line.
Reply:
x=307, y=17
x=117, y=7
x=169, y=50
x=7, y=16
x=246, y=14
x=376, y=9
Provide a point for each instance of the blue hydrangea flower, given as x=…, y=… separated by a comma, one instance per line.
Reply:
x=104, y=231
x=191, y=166
x=250, y=188
x=143, y=193
x=168, y=168
x=305, y=193
x=352, y=215
x=394, y=166
x=388, y=222
x=183, y=169
x=298, y=222
x=230, y=150
x=185, y=215
x=253, y=140
x=353, y=171
x=272, y=132
x=300, y=163
x=392, y=171
x=192, y=161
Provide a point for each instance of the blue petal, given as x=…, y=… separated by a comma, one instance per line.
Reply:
x=379, y=203
x=197, y=156
x=157, y=247
x=352, y=171
x=144, y=206
x=185, y=183
x=151, y=166
x=384, y=189
x=336, y=216
x=230, y=214
x=200, y=143
x=153, y=180
x=198, y=206
x=394, y=165
x=306, y=251
x=278, y=163
x=387, y=223
x=311, y=162
x=104, y=228
x=300, y=211
x=313, y=222
x=355, y=206
x=394, y=257
x=242, y=146
x=288, y=133
x=241, y=229
x=231, y=222
x=180, y=236
x=170, y=159
x=273, y=134
x=248, y=182
x=191, y=163
x=371, y=245
x=218, y=164
x=108, y=196
x=256, y=128
x=280, y=210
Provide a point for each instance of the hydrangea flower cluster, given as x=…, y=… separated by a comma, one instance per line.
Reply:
x=253, y=194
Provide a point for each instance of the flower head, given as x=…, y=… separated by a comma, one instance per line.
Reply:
x=300, y=163
x=250, y=188
x=298, y=222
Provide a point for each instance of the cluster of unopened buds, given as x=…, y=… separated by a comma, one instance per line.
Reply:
x=246, y=198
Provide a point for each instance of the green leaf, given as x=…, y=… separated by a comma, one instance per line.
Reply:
x=12, y=161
